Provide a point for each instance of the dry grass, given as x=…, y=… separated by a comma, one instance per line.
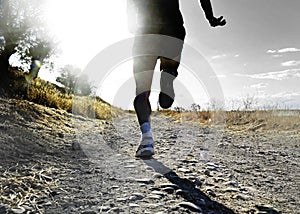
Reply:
x=268, y=120
x=50, y=95
x=249, y=120
x=203, y=117
x=26, y=188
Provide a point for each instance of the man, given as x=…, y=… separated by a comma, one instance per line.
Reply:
x=160, y=17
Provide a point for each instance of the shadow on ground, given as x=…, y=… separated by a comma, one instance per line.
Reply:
x=189, y=191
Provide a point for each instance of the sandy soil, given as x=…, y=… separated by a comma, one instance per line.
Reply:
x=55, y=162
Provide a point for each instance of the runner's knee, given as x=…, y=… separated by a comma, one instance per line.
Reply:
x=142, y=98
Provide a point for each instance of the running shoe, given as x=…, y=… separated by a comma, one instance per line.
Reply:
x=146, y=148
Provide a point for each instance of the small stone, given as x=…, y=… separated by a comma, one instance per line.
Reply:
x=211, y=193
x=212, y=168
x=219, y=179
x=207, y=173
x=231, y=189
x=144, y=180
x=104, y=208
x=184, y=170
x=154, y=196
x=174, y=186
x=129, y=166
x=158, y=193
x=212, y=164
x=168, y=190
x=133, y=205
x=153, y=206
x=76, y=146
x=115, y=209
x=48, y=203
x=121, y=199
x=89, y=212
x=266, y=209
x=136, y=197
x=173, y=136
x=190, y=206
x=181, y=192
x=149, y=168
x=241, y=197
x=230, y=183
x=18, y=210
x=157, y=175
x=61, y=135
x=173, y=208
x=197, y=182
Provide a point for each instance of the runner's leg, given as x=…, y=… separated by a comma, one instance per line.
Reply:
x=143, y=75
x=169, y=66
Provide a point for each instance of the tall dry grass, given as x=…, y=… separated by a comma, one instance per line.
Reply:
x=275, y=119
x=48, y=94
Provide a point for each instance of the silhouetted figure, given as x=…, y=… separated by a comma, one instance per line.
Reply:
x=160, y=17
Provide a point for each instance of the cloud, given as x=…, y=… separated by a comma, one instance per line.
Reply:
x=259, y=85
x=283, y=50
x=291, y=63
x=286, y=50
x=277, y=55
x=218, y=56
x=275, y=75
x=286, y=94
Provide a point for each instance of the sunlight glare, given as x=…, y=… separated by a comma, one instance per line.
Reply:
x=84, y=28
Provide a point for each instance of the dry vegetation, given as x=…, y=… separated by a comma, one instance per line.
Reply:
x=247, y=120
x=24, y=187
x=47, y=94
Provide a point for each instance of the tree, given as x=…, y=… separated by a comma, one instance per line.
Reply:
x=73, y=82
x=196, y=108
x=22, y=32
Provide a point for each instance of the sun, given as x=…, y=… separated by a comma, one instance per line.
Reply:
x=84, y=28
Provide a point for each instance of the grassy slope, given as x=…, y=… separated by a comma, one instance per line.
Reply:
x=50, y=95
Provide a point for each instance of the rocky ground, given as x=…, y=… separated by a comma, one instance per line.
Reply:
x=55, y=162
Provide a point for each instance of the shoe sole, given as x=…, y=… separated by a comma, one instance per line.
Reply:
x=145, y=155
x=145, y=152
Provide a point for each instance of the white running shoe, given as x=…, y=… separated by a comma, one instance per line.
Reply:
x=146, y=148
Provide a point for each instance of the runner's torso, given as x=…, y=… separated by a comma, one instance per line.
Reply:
x=148, y=14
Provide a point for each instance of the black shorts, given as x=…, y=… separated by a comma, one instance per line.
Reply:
x=173, y=30
x=166, y=41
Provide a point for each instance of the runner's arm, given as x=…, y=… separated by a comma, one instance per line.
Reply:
x=213, y=21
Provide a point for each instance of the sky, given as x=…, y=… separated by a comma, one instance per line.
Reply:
x=255, y=55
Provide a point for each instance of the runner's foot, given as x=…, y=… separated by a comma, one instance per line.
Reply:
x=146, y=148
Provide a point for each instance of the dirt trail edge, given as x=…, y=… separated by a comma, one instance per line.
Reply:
x=55, y=162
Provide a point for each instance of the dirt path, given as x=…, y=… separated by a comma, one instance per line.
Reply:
x=54, y=162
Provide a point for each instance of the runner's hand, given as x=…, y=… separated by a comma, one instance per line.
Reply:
x=214, y=22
